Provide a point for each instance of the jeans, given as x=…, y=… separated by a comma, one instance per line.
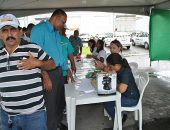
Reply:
x=125, y=102
x=34, y=121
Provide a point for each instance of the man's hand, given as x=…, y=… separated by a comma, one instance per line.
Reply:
x=73, y=68
x=69, y=74
x=30, y=63
x=99, y=65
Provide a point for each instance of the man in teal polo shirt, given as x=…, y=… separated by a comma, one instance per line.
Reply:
x=46, y=34
x=68, y=54
x=76, y=43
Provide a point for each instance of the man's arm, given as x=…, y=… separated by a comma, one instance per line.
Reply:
x=80, y=50
x=47, y=65
x=47, y=83
x=73, y=66
x=69, y=74
x=81, y=45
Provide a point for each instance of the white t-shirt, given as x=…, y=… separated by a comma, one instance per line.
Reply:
x=102, y=54
x=26, y=38
x=94, y=50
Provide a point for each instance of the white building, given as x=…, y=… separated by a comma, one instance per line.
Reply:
x=96, y=22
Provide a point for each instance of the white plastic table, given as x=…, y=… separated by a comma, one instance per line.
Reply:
x=75, y=97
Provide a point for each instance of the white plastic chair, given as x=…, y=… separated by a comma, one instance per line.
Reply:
x=142, y=83
x=134, y=67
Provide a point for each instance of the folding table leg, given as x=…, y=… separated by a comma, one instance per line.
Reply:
x=68, y=109
x=118, y=111
x=73, y=113
x=115, y=126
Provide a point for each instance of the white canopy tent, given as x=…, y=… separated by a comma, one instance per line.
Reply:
x=30, y=7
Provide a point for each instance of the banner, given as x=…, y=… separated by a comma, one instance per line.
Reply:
x=159, y=35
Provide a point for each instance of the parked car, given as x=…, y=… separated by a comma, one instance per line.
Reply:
x=100, y=36
x=85, y=37
x=141, y=38
x=123, y=37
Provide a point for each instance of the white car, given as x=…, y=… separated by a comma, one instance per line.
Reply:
x=84, y=37
x=141, y=39
x=123, y=37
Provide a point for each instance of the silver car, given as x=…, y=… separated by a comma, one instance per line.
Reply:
x=141, y=39
x=123, y=37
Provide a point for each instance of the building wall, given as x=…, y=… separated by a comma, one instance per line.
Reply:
x=125, y=23
x=96, y=22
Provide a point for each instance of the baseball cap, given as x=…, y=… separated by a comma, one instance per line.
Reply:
x=8, y=19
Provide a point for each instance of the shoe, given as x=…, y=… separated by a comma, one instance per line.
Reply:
x=124, y=118
x=61, y=126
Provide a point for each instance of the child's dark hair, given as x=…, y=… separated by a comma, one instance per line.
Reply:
x=117, y=43
x=102, y=45
x=93, y=44
x=115, y=58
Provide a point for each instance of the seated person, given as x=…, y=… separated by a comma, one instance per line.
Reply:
x=100, y=53
x=115, y=47
x=92, y=45
x=125, y=84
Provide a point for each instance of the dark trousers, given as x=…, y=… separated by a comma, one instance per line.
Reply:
x=54, y=99
x=65, y=79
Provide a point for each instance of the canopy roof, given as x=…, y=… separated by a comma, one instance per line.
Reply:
x=30, y=7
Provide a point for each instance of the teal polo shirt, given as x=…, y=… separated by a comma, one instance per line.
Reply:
x=76, y=43
x=49, y=39
x=67, y=49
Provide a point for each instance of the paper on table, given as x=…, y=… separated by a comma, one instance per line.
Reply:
x=85, y=86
